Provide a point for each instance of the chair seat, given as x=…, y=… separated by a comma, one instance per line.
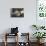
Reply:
x=9, y=34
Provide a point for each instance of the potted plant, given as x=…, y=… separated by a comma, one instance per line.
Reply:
x=39, y=35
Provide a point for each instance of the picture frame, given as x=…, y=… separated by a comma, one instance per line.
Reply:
x=17, y=12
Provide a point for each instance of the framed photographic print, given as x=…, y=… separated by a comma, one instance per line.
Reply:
x=41, y=8
x=41, y=12
x=17, y=12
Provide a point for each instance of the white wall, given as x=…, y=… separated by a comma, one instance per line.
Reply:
x=23, y=23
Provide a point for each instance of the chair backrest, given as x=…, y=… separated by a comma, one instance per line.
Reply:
x=14, y=30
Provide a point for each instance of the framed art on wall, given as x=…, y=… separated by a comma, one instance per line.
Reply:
x=41, y=8
x=41, y=13
x=17, y=12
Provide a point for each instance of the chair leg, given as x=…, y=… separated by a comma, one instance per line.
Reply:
x=5, y=40
x=17, y=39
x=5, y=43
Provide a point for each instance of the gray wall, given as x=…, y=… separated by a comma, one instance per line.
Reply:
x=24, y=24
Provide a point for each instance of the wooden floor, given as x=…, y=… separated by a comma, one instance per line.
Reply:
x=13, y=44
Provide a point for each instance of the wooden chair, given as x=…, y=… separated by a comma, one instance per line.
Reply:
x=27, y=37
x=8, y=34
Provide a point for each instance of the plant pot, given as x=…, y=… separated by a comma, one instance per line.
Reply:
x=40, y=41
